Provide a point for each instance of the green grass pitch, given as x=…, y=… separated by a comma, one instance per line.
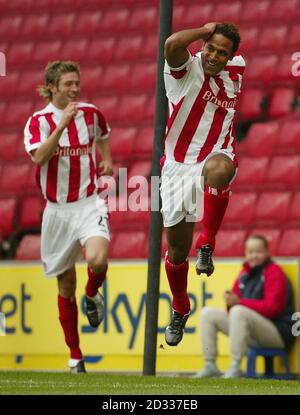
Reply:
x=23, y=383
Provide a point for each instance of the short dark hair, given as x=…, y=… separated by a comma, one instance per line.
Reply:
x=230, y=31
x=261, y=238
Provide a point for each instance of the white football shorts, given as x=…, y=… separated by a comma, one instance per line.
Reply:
x=65, y=230
x=182, y=190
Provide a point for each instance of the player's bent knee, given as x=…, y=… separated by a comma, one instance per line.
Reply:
x=219, y=171
x=97, y=263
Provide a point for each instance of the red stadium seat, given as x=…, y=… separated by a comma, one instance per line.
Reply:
x=8, y=146
x=294, y=211
x=240, y=209
x=289, y=244
x=178, y=15
x=132, y=107
x=272, y=38
x=140, y=168
x=251, y=172
x=150, y=108
x=256, y=11
x=116, y=78
x=17, y=113
x=19, y=5
x=20, y=53
x=117, y=219
x=29, y=248
x=249, y=38
x=47, y=4
x=47, y=51
x=144, y=19
x=9, y=84
x=88, y=22
x=14, y=178
x=294, y=37
x=289, y=133
x=129, y=244
x=230, y=243
x=35, y=24
x=31, y=185
x=272, y=236
x=143, y=145
x=281, y=102
x=261, y=69
x=261, y=139
x=31, y=213
x=115, y=20
x=2, y=110
x=284, y=72
x=74, y=50
x=284, y=10
x=143, y=77
x=61, y=24
x=10, y=26
x=91, y=80
x=149, y=49
x=29, y=81
x=284, y=171
x=7, y=216
x=129, y=48
x=101, y=50
x=108, y=106
x=272, y=207
x=251, y=101
x=138, y=215
x=196, y=15
x=122, y=142
x=229, y=13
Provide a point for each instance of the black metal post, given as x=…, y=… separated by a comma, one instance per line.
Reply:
x=150, y=342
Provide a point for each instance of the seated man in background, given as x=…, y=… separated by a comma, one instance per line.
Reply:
x=259, y=311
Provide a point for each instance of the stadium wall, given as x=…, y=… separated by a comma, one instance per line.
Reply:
x=34, y=339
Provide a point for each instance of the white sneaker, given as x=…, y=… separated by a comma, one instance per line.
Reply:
x=208, y=372
x=233, y=373
x=76, y=366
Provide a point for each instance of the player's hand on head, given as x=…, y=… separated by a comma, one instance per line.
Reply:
x=211, y=27
x=106, y=168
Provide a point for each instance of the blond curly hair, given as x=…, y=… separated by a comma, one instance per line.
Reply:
x=52, y=75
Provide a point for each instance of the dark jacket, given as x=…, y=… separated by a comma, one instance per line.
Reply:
x=266, y=290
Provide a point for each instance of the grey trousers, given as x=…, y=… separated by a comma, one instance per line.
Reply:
x=245, y=327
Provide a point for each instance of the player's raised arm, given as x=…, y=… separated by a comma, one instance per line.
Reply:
x=46, y=150
x=176, y=46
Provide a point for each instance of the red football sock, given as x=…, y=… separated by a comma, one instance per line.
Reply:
x=68, y=317
x=177, y=276
x=215, y=205
x=94, y=282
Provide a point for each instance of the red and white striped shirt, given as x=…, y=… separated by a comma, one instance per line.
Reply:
x=70, y=174
x=201, y=109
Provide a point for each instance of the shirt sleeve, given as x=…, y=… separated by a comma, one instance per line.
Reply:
x=178, y=80
x=102, y=127
x=35, y=133
x=275, y=295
